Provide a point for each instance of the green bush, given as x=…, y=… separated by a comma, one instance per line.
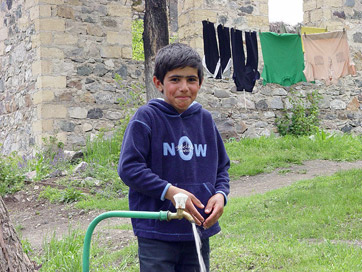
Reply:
x=11, y=174
x=137, y=40
x=302, y=120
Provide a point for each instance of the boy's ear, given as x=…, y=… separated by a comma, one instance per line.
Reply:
x=158, y=84
x=201, y=82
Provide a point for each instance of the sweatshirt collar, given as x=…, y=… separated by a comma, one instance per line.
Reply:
x=169, y=110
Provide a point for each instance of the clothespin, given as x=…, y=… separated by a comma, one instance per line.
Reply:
x=305, y=34
x=326, y=29
x=344, y=30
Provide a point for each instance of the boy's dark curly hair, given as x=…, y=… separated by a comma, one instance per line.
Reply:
x=177, y=55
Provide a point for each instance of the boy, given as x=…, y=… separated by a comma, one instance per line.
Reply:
x=172, y=145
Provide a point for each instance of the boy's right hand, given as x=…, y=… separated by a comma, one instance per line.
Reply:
x=191, y=202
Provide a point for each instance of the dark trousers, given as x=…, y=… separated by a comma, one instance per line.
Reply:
x=210, y=48
x=164, y=256
x=223, y=34
x=238, y=59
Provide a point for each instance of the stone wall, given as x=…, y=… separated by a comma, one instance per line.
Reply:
x=58, y=60
x=17, y=84
x=240, y=114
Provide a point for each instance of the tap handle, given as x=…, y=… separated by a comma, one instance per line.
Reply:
x=180, y=200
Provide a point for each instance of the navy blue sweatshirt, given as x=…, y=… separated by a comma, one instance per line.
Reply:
x=162, y=147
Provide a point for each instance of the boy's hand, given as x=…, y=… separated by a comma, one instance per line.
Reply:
x=191, y=202
x=215, y=206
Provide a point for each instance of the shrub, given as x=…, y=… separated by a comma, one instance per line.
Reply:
x=302, y=120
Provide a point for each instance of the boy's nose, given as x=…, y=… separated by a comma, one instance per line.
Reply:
x=183, y=85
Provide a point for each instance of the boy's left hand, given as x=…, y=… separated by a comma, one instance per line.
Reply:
x=214, y=207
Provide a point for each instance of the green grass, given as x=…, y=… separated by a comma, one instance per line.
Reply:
x=311, y=225
x=304, y=227
x=255, y=156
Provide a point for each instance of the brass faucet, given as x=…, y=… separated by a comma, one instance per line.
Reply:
x=179, y=215
x=180, y=200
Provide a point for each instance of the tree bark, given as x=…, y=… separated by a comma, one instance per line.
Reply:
x=12, y=257
x=155, y=36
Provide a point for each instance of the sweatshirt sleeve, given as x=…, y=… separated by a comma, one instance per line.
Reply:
x=222, y=179
x=132, y=166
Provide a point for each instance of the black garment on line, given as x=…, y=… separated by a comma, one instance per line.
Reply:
x=238, y=58
x=211, y=51
x=251, y=68
x=223, y=35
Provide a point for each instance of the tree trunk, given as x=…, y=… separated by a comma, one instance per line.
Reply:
x=12, y=257
x=155, y=36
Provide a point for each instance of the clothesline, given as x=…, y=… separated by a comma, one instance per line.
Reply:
x=284, y=56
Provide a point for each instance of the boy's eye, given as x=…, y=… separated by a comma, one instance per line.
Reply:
x=192, y=79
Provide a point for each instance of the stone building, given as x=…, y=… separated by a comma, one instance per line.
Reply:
x=58, y=59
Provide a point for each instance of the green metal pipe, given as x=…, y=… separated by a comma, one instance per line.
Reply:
x=162, y=215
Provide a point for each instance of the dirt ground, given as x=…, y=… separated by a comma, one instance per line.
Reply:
x=38, y=220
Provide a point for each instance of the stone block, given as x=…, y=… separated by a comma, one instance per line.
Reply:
x=338, y=104
x=3, y=34
x=94, y=30
x=47, y=125
x=40, y=126
x=42, y=11
x=263, y=9
x=51, y=82
x=114, y=37
x=257, y=21
x=334, y=3
x=43, y=96
x=316, y=15
x=43, y=38
x=51, y=53
x=87, y=127
x=353, y=105
x=111, y=52
x=30, y=3
x=127, y=52
x=126, y=25
x=183, y=20
x=52, y=111
x=77, y=112
x=2, y=48
x=41, y=67
x=306, y=18
x=189, y=4
x=74, y=2
x=52, y=2
x=202, y=14
x=65, y=12
x=118, y=10
x=310, y=5
x=23, y=23
x=49, y=24
x=65, y=39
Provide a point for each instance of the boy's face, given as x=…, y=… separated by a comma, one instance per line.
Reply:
x=180, y=87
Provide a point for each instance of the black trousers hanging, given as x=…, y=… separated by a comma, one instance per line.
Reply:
x=238, y=58
x=251, y=68
x=211, y=51
x=223, y=35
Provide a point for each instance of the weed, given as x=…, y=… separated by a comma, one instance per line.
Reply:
x=303, y=119
x=12, y=174
x=54, y=195
x=137, y=40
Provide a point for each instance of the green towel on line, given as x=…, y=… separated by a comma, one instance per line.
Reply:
x=283, y=58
